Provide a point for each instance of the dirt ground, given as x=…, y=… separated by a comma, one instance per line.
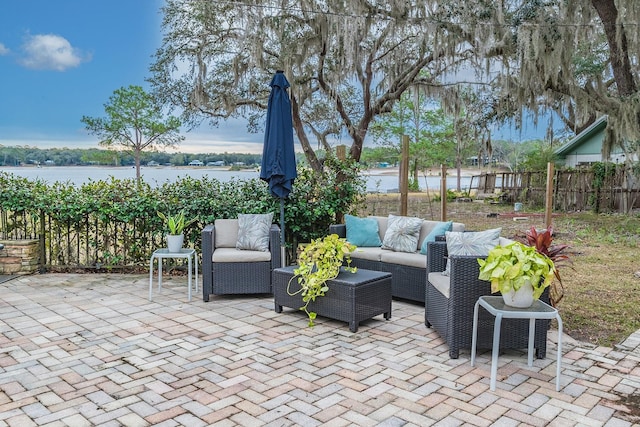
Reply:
x=601, y=288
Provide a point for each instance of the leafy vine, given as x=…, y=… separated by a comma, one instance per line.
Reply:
x=319, y=262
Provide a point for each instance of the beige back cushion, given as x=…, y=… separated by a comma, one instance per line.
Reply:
x=428, y=225
x=226, y=233
x=382, y=225
x=426, y=228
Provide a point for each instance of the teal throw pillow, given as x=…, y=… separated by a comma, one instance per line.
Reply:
x=438, y=230
x=362, y=232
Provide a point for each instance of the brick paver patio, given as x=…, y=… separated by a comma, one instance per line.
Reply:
x=91, y=350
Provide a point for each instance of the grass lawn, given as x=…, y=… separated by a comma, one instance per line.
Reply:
x=601, y=303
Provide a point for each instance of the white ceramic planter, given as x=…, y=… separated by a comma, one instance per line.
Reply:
x=522, y=298
x=174, y=242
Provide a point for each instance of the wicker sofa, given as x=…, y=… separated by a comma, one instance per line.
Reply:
x=408, y=270
x=227, y=270
x=449, y=303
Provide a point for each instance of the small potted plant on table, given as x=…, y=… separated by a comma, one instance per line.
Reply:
x=519, y=272
x=176, y=225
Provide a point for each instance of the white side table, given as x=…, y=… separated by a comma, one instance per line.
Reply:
x=161, y=254
x=496, y=306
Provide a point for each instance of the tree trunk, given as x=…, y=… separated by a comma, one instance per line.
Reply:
x=618, y=46
x=136, y=155
x=356, y=147
x=619, y=57
x=315, y=164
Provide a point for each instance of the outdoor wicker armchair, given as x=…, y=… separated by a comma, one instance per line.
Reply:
x=227, y=270
x=449, y=310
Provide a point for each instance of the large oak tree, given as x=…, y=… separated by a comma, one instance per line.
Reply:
x=347, y=61
x=577, y=57
x=350, y=61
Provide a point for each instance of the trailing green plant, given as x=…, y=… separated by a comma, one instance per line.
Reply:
x=176, y=223
x=319, y=262
x=603, y=172
x=509, y=267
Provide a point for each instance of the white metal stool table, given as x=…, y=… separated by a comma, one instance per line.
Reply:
x=161, y=254
x=496, y=306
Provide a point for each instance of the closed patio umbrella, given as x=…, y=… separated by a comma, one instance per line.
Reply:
x=278, y=157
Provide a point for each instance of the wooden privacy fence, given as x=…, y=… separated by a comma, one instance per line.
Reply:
x=615, y=190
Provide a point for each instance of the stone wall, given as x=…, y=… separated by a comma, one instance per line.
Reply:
x=19, y=256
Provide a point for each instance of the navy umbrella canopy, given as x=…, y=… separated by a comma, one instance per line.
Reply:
x=278, y=157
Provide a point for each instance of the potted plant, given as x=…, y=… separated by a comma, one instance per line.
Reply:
x=518, y=271
x=320, y=261
x=176, y=225
x=543, y=242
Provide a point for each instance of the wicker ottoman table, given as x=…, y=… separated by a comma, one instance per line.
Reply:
x=352, y=297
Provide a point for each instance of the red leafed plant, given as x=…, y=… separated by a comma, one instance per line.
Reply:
x=543, y=242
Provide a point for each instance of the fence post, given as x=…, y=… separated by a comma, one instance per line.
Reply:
x=404, y=176
x=42, y=242
x=341, y=154
x=549, y=196
x=443, y=193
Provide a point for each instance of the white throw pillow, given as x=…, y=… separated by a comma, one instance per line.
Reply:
x=253, y=231
x=402, y=233
x=477, y=243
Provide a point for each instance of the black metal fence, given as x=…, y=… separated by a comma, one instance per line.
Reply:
x=92, y=242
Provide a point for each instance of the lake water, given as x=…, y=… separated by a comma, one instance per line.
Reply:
x=77, y=175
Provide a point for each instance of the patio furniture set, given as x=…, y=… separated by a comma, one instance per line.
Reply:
x=428, y=270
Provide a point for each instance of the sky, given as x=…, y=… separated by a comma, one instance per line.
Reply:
x=62, y=60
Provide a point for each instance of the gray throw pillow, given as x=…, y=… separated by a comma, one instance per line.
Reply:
x=402, y=233
x=477, y=243
x=253, y=231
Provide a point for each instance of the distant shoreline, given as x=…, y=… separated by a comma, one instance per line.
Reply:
x=378, y=180
x=389, y=171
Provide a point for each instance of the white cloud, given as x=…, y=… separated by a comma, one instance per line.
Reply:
x=3, y=50
x=50, y=52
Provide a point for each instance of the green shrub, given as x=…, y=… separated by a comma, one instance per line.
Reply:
x=115, y=222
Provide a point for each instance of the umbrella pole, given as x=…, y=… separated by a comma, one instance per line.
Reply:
x=283, y=249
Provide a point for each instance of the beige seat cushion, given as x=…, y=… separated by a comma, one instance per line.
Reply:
x=405, y=258
x=368, y=253
x=441, y=282
x=239, y=255
x=382, y=225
